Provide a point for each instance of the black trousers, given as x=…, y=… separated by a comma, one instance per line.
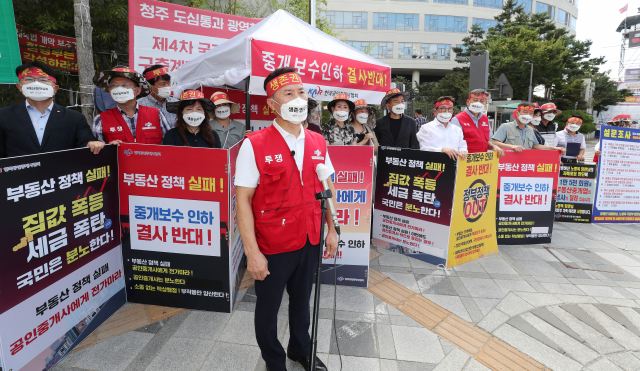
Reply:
x=295, y=271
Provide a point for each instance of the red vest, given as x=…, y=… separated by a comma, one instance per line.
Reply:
x=477, y=138
x=285, y=211
x=148, y=130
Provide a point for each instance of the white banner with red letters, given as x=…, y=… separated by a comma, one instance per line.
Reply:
x=171, y=35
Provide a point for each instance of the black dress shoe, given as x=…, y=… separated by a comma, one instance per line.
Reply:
x=304, y=361
x=268, y=369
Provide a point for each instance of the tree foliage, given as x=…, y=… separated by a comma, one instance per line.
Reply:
x=606, y=93
x=588, y=124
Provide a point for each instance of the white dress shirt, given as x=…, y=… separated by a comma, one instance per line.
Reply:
x=247, y=174
x=434, y=136
x=39, y=120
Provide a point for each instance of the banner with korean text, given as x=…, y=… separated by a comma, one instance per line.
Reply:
x=174, y=208
x=413, y=203
x=57, y=51
x=617, y=191
x=171, y=35
x=353, y=181
x=324, y=75
x=576, y=191
x=473, y=229
x=526, y=196
x=60, y=259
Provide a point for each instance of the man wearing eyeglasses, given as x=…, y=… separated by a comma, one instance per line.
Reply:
x=439, y=135
x=129, y=122
x=39, y=125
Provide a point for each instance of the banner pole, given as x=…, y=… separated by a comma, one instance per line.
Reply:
x=316, y=300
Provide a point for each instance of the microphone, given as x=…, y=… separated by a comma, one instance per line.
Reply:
x=323, y=174
x=293, y=153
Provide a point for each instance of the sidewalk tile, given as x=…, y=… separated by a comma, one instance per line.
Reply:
x=181, y=354
x=547, y=279
x=472, y=266
x=353, y=363
x=354, y=299
x=404, y=320
x=232, y=357
x=576, y=299
x=385, y=342
x=203, y=325
x=536, y=349
x=411, y=343
x=626, y=361
x=355, y=316
x=415, y=366
x=388, y=365
x=518, y=252
x=473, y=274
x=391, y=269
x=512, y=305
x=509, y=286
x=622, y=336
x=509, y=277
x=461, y=289
x=496, y=266
x=493, y=320
x=394, y=260
x=472, y=309
x=524, y=326
x=464, y=335
x=447, y=347
x=114, y=354
x=486, y=305
x=474, y=365
x=442, y=286
x=539, y=299
x=452, y=304
x=604, y=365
x=562, y=288
x=454, y=361
x=600, y=291
x=240, y=329
x=540, y=268
x=407, y=280
x=355, y=339
x=517, y=265
x=484, y=288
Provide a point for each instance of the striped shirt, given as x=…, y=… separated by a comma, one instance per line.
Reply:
x=151, y=101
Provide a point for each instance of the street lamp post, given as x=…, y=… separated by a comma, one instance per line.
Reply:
x=530, y=81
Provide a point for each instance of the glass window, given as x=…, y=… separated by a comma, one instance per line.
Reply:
x=463, y=2
x=564, y=17
x=412, y=0
x=526, y=4
x=574, y=2
x=424, y=51
x=445, y=23
x=545, y=8
x=486, y=24
x=376, y=49
x=574, y=23
x=488, y=3
x=347, y=19
x=394, y=21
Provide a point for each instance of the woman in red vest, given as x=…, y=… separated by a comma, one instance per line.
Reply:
x=192, y=130
x=279, y=218
x=129, y=122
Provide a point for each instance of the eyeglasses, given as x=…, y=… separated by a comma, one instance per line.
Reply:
x=29, y=80
x=126, y=86
x=445, y=109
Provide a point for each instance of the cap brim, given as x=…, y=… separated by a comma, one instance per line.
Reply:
x=235, y=108
x=332, y=104
x=391, y=96
x=102, y=80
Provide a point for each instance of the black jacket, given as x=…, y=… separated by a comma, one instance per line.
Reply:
x=172, y=138
x=65, y=129
x=407, y=138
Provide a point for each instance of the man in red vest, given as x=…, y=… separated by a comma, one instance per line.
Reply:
x=475, y=124
x=279, y=217
x=129, y=122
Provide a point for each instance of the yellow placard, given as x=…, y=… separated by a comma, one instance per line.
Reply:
x=473, y=224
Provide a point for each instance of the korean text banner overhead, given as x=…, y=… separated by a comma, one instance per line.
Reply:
x=617, y=199
x=171, y=35
x=57, y=51
x=324, y=75
x=526, y=200
x=60, y=253
x=9, y=50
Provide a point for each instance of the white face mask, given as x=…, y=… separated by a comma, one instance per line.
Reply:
x=193, y=119
x=476, y=107
x=536, y=120
x=525, y=119
x=294, y=111
x=444, y=116
x=398, y=109
x=362, y=118
x=223, y=112
x=122, y=95
x=164, y=92
x=341, y=116
x=37, y=91
x=573, y=127
x=549, y=116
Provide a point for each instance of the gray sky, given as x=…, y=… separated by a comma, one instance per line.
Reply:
x=598, y=20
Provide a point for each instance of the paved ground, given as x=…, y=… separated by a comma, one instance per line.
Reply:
x=586, y=318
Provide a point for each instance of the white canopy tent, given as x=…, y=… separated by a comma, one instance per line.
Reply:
x=230, y=63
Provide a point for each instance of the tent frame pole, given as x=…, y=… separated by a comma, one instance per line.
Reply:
x=247, y=108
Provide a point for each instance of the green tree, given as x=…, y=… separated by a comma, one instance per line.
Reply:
x=588, y=123
x=606, y=92
x=567, y=94
x=455, y=84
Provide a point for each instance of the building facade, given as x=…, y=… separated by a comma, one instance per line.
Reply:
x=416, y=37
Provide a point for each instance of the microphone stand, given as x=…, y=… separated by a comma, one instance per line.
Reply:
x=324, y=195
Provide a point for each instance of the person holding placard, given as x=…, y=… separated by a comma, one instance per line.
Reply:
x=439, y=135
x=192, y=128
x=396, y=129
x=573, y=141
x=475, y=124
x=547, y=128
